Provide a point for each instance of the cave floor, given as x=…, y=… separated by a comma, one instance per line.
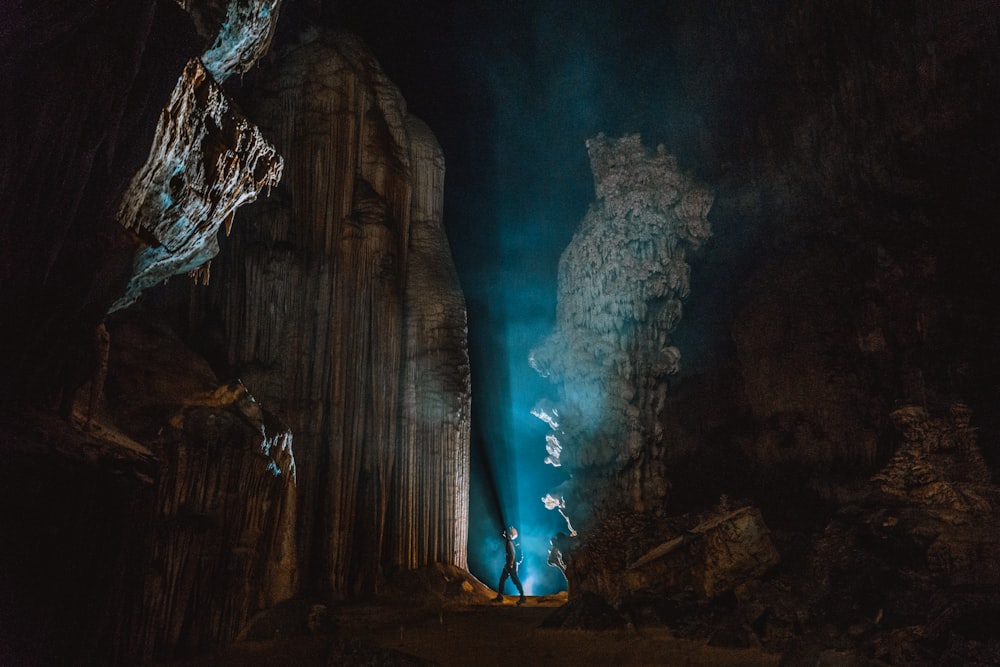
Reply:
x=478, y=633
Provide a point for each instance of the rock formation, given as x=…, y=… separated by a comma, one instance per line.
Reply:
x=202, y=536
x=851, y=230
x=621, y=282
x=947, y=503
x=218, y=543
x=725, y=550
x=430, y=516
x=206, y=161
x=342, y=310
x=84, y=93
x=240, y=37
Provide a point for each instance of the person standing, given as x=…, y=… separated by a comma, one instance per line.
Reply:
x=514, y=556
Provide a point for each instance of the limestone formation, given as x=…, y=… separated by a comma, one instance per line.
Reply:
x=429, y=520
x=723, y=551
x=621, y=283
x=80, y=93
x=218, y=534
x=945, y=501
x=206, y=161
x=220, y=547
x=342, y=311
x=243, y=37
x=856, y=156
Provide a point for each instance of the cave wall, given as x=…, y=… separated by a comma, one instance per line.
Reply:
x=852, y=155
x=840, y=334
x=81, y=87
x=217, y=528
x=341, y=309
x=161, y=506
x=202, y=522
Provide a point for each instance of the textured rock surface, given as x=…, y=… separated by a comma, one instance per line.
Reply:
x=219, y=537
x=243, y=37
x=948, y=502
x=339, y=300
x=723, y=551
x=429, y=518
x=81, y=87
x=851, y=230
x=158, y=524
x=621, y=282
x=852, y=156
x=858, y=213
x=222, y=544
x=909, y=569
x=854, y=159
x=206, y=161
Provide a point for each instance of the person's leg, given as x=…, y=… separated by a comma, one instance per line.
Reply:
x=517, y=582
x=503, y=580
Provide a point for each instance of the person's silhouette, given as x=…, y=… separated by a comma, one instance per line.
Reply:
x=514, y=556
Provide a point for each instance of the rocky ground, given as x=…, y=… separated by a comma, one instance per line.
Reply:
x=469, y=631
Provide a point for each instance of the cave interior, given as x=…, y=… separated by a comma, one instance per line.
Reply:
x=304, y=302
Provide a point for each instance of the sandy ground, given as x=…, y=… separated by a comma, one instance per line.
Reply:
x=479, y=634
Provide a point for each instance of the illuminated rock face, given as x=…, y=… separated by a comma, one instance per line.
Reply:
x=343, y=314
x=201, y=535
x=429, y=517
x=206, y=161
x=621, y=282
x=80, y=91
x=242, y=38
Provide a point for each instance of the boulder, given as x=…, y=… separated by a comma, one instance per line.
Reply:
x=714, y=557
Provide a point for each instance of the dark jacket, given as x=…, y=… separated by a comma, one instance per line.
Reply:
x=514, y=553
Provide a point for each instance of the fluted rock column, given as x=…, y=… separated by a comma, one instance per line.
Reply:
x=219, y=548
x=430, y=503
x=315, y=303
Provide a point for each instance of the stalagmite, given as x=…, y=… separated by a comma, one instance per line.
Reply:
x=621, y=281
x=430, y=521
x=359, y=327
